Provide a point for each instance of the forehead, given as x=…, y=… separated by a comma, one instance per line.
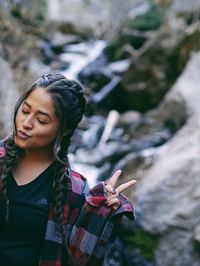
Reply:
x=41, y=100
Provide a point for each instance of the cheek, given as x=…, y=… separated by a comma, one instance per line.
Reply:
x=17, y=120
x=48, y=134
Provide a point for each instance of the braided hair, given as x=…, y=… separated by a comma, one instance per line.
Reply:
x=70, y=103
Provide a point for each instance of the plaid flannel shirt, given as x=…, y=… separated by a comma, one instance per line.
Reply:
x=91, y=226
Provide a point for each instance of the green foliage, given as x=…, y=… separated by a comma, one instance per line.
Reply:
x=149, y=21
x=144, y=242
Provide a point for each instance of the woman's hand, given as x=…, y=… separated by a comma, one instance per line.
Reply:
x=112, y=198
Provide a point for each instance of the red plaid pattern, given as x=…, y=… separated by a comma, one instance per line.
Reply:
x=91, y=226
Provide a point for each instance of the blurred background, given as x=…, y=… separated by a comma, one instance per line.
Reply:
x=139, y=62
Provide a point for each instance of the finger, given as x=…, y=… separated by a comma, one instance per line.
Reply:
x=112, y=196
x=114, y=201
x=112, y=181
x=110, y=189
x=126, y=185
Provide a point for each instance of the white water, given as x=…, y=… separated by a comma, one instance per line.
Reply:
x=80, y=55
x=88, y=171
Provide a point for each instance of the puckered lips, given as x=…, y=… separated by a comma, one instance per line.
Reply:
x=22, y=135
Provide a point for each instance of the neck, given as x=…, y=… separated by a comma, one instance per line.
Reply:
x=34, y=156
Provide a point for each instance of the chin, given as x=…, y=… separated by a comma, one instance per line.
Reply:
x=20, y=143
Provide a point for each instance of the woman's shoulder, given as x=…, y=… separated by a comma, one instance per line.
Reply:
x=79, y=182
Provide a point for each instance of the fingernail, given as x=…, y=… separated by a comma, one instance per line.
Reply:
x=114, y=191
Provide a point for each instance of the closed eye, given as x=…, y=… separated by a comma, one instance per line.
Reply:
x=42, y=122
x=25, y=111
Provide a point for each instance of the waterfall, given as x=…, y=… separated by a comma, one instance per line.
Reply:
x=77, y=60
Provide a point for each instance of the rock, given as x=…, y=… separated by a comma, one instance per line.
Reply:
x=95, y=73
x=167, y=196
x=84, y=61
x=59, y=40
x=91, y=136
x=183, y=99
x=115, y=150
x=20, y=32
x=8, y=97
x=197, y=234
x=147, y=81
x=47, y=52
x=180, y=6
x=137, y=126
x=173, y=184
x=68, y=28
x=120, y=66
x=94, y=16
x=101, y=97
x=156, y=62
x=100, y=154
x=110, y=125
x=181, y=249
x=132, y=166
x=37, y=68
x=35, y=10
x=130, y=117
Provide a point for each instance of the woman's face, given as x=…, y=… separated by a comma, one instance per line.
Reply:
x=36, y=122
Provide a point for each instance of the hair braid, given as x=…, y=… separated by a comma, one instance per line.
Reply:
x=60, y=186
x=10, y=160
x=61, y=183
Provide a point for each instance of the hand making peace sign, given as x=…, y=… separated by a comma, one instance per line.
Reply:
x=112, y=198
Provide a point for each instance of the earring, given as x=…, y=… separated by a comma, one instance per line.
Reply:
x=57, y=148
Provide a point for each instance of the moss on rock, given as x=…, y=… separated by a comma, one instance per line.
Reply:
x=149, y=21
x=144, y=242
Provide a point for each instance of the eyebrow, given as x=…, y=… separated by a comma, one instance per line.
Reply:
x=40, y=112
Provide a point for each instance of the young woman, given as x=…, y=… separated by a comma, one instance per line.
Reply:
x=48, y=215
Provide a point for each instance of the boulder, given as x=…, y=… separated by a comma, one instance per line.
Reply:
x=155, y=70
x=182, y=101
x=180, y=6
x=8, y=97
x=167, y=196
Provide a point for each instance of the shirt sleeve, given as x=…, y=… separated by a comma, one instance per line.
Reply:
x=96, y=227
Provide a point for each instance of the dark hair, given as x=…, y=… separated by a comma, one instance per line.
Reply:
x=69, y=102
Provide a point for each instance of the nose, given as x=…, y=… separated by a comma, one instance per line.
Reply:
x=27, y=122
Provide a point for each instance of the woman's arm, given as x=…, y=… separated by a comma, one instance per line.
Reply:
x=96, y=226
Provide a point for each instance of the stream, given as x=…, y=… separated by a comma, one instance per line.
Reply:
x=105, y=137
